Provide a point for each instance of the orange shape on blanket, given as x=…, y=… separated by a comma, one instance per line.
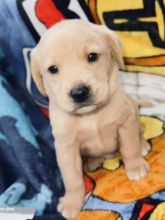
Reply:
x=97, y=215
x=114, y=185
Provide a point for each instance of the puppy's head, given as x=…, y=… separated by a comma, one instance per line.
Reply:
x=75, y=65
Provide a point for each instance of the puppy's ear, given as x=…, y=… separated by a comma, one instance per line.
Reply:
x=35, y=70
x=114, y=43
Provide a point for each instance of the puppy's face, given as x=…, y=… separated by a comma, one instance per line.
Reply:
x=73, y=65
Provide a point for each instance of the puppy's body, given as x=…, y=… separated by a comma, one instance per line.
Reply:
x=96, y=120
x=96, y=133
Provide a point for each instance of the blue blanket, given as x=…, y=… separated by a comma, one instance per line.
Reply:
x=29, y=174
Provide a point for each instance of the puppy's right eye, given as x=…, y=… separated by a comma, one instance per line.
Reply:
x=53, y=69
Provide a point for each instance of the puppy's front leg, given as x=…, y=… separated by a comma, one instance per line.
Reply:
x=69, y=161
x=130, y=148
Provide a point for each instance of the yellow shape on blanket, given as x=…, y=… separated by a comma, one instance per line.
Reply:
x=152, y=127
x=142, y=42
x=106, y=5
x=159, y=212
x=112, y=164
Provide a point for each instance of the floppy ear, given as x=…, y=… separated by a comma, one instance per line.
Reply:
x=114, y=43
x=35, y=70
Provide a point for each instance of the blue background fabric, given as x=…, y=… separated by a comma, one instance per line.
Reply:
x=29, y=174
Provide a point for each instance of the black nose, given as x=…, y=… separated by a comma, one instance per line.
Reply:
x=80, y=93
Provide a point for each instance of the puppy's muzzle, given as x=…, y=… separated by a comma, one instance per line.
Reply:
x=80, y=94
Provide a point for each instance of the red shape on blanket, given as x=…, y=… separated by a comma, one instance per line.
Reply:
x=45, y=112
x=48, y=13
x=145, y=208
x=89, y=184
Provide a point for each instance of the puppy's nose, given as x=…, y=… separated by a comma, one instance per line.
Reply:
x=80, y=93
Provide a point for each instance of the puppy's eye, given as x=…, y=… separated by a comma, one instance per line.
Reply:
x=92, y=57
x=53, y=69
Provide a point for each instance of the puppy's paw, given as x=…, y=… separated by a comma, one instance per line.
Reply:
x=139, y=171
x=69, y=205
x=145, y=148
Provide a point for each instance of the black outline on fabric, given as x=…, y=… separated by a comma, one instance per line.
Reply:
x=149, y=196
x=134, y=24
x=138, y=201
x=138, y=207
x=86, y=10
x=26, y=19
x=61, y=5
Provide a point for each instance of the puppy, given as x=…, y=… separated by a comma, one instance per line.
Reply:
x=76, y=65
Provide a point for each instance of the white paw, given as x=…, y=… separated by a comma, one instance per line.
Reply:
x=146, y=149
x=69, y=207
x=138, y=172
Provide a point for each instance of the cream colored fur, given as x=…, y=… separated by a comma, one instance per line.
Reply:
x=109, y=123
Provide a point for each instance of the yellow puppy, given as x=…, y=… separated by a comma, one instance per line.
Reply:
x=76, y=65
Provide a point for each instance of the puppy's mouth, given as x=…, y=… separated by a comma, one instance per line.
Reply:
x=84, y=109
x=89, y=107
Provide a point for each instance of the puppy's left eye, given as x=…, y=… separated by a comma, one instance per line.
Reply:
x=92, y=57
x=53, y=69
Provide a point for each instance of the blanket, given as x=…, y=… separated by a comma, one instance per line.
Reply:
x=29, y=173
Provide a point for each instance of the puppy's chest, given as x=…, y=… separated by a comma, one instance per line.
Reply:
x=98, y=140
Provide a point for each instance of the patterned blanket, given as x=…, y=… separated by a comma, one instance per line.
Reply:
x=29, y=174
